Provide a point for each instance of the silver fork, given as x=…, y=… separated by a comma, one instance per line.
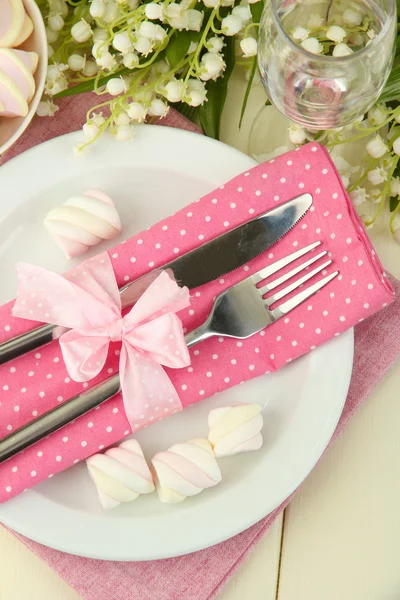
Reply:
x=241, y=310
x=238, y=312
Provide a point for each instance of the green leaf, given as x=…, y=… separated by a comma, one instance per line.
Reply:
x=391, y=91
x=248, y=88
x=179, y=45
x=256, y=11
x=210, y=112
x=190, y=112
x=393, y=203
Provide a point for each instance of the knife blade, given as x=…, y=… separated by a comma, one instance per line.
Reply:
x=193, y=269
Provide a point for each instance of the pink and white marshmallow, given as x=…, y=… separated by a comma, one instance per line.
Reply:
x=121, y=474
x=82, y=222
x=235, y=429
x=12, y=23
x=185, y=470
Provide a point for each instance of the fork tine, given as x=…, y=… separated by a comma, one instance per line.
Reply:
x=283, y=262
x=289, y=305
x=274, y=284
x=293, y=286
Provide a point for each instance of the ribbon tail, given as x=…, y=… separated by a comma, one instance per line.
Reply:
x=147, y=391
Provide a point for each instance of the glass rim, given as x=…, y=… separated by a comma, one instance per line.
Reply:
x=337, y=59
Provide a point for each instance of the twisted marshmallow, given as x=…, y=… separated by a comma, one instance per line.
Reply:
x=185, y=470
x=16, y=69
x=235, y=429
x=82, y=222
x=121, y=474
x=12, y=22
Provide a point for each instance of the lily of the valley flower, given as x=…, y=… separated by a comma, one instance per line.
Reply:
x=211, y=66
x=81, y=31
x=352, y=17
x=231, y=25
x=377, y=115
x=98, y=8
x=377, y=176
x=312, y=45
x=297, y=135
x=154, y=11
x=358, y=196
x=215, y=44
x=395, y=186
x=341, y=50
x=122, y=42
x=130, y=60
x=300, y=33
x=396, y=146
x=196, y=92
x=243, y=12
x=173, y=91
x=116, y=86
x=124, y=133
x=137, y=112
x=249, y=46
x=336, y=34
x=46, y=108
x=158, y=108
x=376, y=147
x=76, y=62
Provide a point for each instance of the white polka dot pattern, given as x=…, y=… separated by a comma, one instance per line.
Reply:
x=275, y=347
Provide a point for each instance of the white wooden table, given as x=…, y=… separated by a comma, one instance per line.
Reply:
x=339, y=539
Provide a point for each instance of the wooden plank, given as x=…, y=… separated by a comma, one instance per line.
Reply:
x=342, y=531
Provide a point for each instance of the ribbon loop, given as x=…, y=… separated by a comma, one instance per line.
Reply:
x=87, y=301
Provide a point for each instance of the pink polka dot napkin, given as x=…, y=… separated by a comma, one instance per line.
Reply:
x=38, y=381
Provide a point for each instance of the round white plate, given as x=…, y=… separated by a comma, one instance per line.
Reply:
x=159, y=172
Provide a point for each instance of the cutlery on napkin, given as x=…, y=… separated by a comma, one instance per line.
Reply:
x=360, y=290
x=239, y=312
x=215, y=258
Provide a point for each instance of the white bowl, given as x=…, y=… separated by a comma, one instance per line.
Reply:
x=12, y=129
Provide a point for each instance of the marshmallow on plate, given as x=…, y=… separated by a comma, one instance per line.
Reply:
x=235, y=429
x=185, y=470
x=82, y=222
x=121, y=474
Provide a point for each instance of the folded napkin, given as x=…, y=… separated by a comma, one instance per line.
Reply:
x=201, y=575
x=38, y=381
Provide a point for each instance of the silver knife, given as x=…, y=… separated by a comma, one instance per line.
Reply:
x=202, y=265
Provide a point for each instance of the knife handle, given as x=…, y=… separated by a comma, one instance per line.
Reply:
x=57, y=417
x=29, y=341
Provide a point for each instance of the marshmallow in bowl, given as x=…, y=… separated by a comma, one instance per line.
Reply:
x=26, y=31
x=82, y=222
x=18, y=68
x=121, y=474
x=235, y=429
x=12, y=23
x=185, y=470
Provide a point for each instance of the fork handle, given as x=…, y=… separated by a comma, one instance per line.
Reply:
x=57, y=417
x=198, y=335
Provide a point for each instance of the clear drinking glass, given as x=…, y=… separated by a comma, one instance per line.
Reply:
x=320, y=91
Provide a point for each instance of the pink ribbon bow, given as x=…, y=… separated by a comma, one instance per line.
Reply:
x=87, y=302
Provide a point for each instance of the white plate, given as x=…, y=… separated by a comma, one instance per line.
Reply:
x=158, y=173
